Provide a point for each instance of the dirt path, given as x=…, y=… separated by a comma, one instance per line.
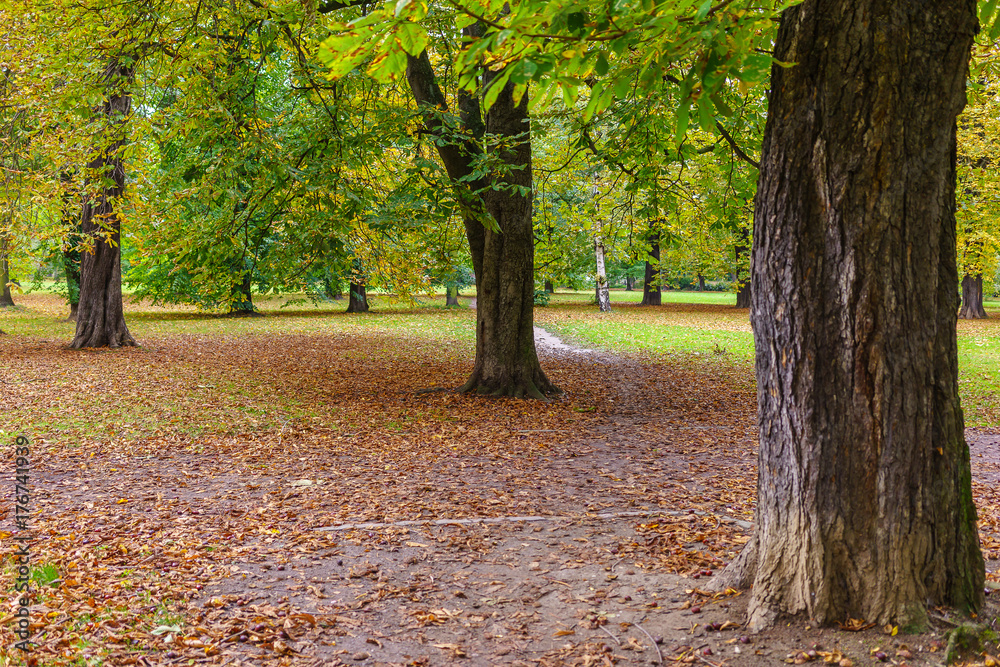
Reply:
x=639, y=483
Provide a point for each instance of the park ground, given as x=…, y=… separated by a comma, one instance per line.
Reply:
x=302, y=489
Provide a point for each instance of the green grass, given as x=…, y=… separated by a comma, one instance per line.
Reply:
x=617, y=295
x=705, y=327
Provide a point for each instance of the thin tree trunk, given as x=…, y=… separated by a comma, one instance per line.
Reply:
x=101, y=315
x=864, y=500
x=742, y=283
x=972, y=298
x=651, y=295
x=6, y=298
x=603, y=296
x=629, y=283
x=549, y=287
x=701, y=283
x=358, y=302
x=506, y=361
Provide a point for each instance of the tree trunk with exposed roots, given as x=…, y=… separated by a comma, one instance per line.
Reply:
x=972, y=298
x=503, y=258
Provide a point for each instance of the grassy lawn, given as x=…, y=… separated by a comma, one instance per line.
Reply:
x=690, y=325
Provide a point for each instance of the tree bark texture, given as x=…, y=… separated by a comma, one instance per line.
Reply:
x=601, y=289
x=972, y=298
x=864, y=491
x=651, y=295
x=101, y=316
x=506, y=360
x=358, y=300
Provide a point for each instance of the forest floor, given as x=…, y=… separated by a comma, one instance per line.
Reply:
x=295, y=499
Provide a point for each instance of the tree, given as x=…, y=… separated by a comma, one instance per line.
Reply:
x=501, y=245
x=651, y=295
x=864, y=490
x=978, y=191
x=101, y=315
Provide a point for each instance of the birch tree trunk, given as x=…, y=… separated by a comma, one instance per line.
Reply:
x=603, y=297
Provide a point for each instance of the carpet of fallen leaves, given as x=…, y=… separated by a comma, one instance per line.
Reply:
x=156, y=470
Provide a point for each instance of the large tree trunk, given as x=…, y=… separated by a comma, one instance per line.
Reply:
x=629, y=283
x=6, y=299
x=506, y=360
x=358, y=301
x=701, y=283
x=101, y=315
x=651, y=295
x=549, y=287
x=864, y=501
x=972, y=298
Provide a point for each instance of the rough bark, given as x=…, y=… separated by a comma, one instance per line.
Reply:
x=358, y=301
x=651, y=295
x=6, y=299
x=864, y=490
x=101, y=316
x=506, y=360
x=972, y=298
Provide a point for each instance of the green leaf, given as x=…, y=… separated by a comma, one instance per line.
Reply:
x=601, y=66
x=756, y=68
x=705, y=118
x=720, y=105
x=496, y=86
x=986, y=11
x=412, y=37
x=683, y=118
x=702, y=11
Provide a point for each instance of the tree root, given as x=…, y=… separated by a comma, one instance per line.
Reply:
x=530, y=390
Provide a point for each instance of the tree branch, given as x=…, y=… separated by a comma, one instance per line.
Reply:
x=736, y=149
